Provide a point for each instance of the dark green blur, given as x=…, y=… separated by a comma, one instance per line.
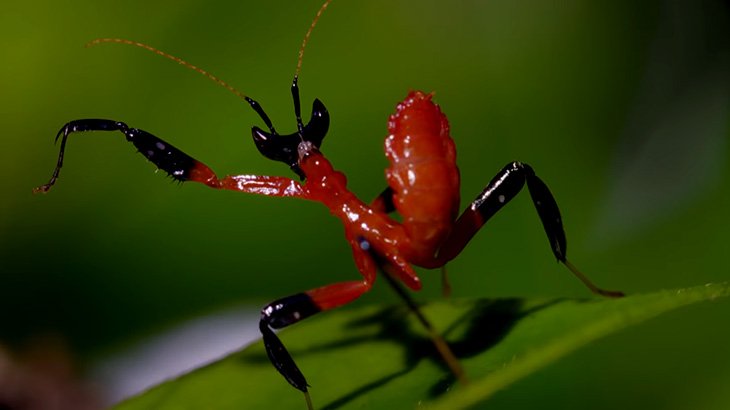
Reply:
x=620, y=107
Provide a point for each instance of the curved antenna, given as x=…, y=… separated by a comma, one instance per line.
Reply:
x=295, y=82
x=309, y=34
x=178, y=60
x=255, y=105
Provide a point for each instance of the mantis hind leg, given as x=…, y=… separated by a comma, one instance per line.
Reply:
x=503, y=187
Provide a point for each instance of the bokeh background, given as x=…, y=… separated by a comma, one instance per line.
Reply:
x=621, y=107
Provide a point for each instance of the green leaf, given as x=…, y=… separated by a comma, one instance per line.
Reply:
x=380, y=357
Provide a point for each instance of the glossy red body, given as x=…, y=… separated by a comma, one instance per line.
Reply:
x=425, y=183
x=423, y=174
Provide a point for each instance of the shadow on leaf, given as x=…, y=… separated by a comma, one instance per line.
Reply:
x=483, y=325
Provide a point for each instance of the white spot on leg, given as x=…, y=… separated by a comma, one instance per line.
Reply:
x=501, y=199
x=297, y=315
x=160, y=145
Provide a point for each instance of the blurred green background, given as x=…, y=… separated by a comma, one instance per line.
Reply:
x=621, y=107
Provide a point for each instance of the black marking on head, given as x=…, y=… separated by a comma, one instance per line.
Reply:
x=284, y=147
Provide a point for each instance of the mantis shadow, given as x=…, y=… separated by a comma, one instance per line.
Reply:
x=477, y=329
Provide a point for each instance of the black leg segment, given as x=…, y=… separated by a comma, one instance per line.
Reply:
x=503, y=187
x=549, y=213
x=168, y=158
x=282, y=313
